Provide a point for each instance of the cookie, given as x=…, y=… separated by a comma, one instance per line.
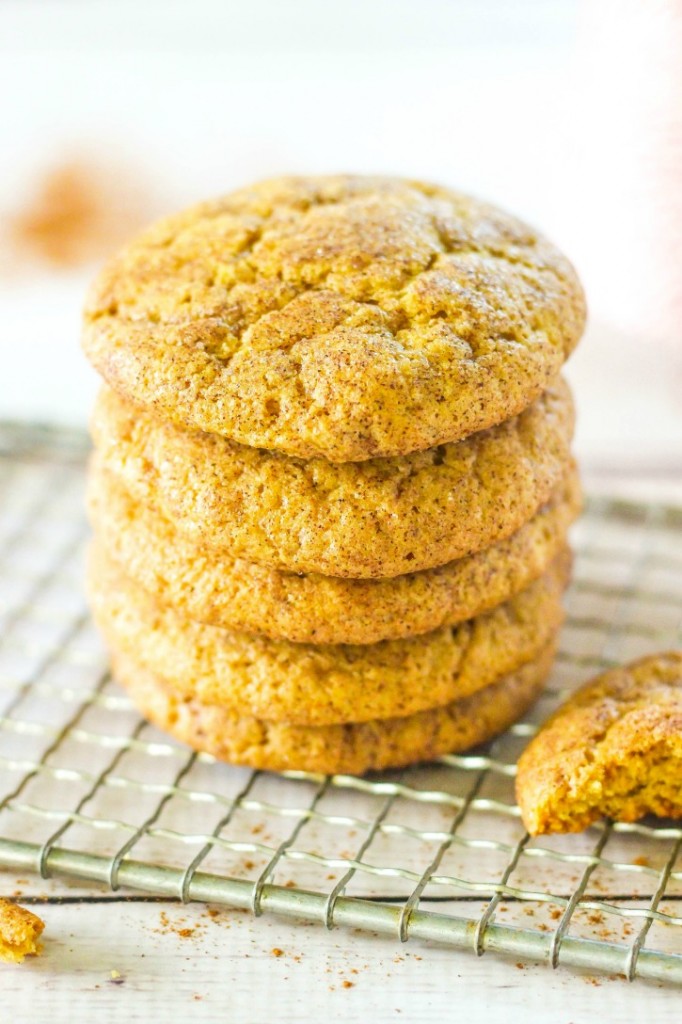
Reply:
x=614, y=749
x=383, y=517
x=351, y=749
x=219, y=590
x=321, y=684
x=336, y=317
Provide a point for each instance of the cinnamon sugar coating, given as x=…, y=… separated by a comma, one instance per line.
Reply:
x=214, y=587
x=350, y=748
x=343, y=317
x=382, y=517
x=320, y=684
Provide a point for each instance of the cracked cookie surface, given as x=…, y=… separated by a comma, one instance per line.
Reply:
x=613, y=749
x=320, y=684
x=215, y=588
x=351, y=748
x=342, y=317
x=382, y=517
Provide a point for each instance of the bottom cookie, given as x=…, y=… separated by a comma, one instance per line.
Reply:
x=350, y=749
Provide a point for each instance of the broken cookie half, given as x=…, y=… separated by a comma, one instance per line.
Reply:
x=20, y=932
x=614, y=750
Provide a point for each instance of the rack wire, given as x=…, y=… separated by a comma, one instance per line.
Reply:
x=437, y=852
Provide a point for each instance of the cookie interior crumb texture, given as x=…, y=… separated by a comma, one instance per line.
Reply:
x=614, y=749
x=20, y=932
x=344, y=317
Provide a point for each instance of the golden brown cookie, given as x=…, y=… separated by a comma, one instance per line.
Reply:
x=383, y=517
x=352, y=749
x=219, y=590
x=342, y=317
x=614, y=749
x=321, y=684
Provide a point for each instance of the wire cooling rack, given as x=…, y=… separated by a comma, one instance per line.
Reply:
x=90, y=791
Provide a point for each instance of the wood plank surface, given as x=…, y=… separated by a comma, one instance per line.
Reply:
x=124, y=958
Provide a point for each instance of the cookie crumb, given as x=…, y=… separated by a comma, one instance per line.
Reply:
x=20, y=931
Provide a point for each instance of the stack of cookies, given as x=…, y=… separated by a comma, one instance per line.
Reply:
x=332, y=481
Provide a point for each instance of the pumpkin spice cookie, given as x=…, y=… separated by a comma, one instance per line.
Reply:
x=321, y=684
x=219, y=590
x=337, y=317
x=614, y=749
x=383, y=517
x=351, y=748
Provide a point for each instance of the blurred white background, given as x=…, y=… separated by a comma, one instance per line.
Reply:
x=568, y=112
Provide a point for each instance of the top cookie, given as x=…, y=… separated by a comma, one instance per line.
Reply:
x=343, y=317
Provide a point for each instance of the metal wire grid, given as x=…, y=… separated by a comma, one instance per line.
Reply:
x=436, y=852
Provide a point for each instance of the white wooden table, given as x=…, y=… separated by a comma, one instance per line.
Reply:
x=124, y=959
